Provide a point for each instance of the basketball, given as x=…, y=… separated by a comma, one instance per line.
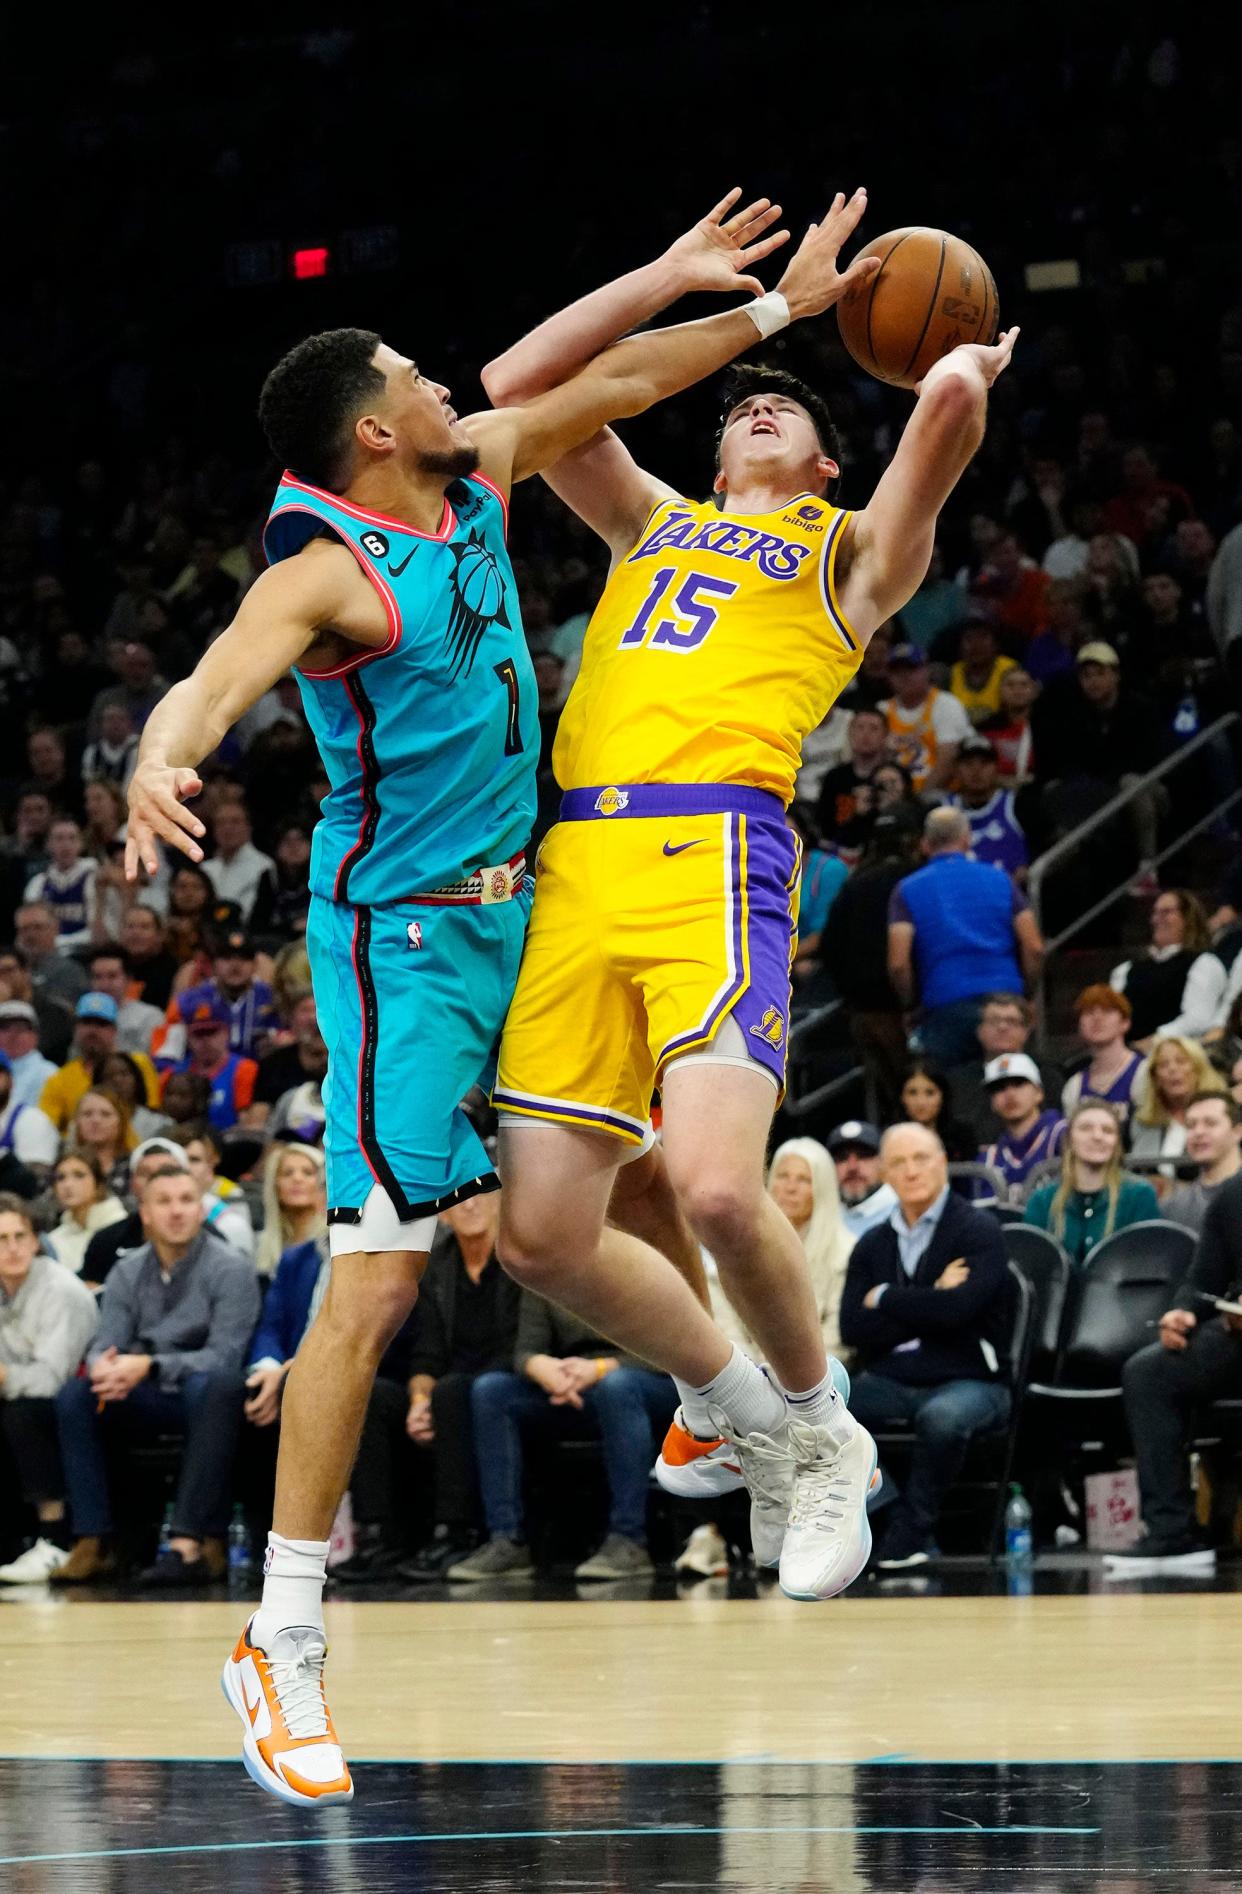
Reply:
x=931, y=292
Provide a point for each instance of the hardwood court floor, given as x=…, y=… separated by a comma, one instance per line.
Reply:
x=900, y=1744
x=1128, y=1676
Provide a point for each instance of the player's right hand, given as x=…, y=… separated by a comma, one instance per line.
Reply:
x=811, y=282
x=1175, y=1328
x=157, y=796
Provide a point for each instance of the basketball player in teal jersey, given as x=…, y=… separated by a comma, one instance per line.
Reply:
x=391, y=596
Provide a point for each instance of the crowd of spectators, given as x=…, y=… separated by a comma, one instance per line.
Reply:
x=160, y=1058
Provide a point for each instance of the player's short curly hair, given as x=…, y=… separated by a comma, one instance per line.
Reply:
x=312, y=398
x=753, y=378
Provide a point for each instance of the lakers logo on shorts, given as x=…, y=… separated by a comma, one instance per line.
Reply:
x=771, y=1028
x=612, y=801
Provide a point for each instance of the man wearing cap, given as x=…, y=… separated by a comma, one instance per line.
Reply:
x=154, y=1154
x=1031, y=1135
x=866, y=1200
x=93, y=1039
x=1094, y=734
x=996, y=835
x=925, y=725
x=26, y=1133
x=1006, y=1021
x=53, y=1014
x=250, y=1003
x=230, y=1076
x=957, y=931
x=19, y=1041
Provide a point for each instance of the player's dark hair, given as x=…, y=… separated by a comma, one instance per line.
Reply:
x=752, y=378
x=312, y=398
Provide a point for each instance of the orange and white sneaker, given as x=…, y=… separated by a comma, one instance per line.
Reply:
x=289, y=1746
x=696, y=1469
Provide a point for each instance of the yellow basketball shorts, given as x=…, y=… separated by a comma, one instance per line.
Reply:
x=661, y=910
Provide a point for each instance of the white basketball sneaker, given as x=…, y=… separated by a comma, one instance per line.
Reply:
x=828, y=1541
x=693, y=1468
x=768, y=1468
x=289, y=1746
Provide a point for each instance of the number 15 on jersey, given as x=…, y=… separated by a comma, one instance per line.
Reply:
x=692, y=612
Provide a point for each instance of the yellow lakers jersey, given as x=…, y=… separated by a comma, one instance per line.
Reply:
x=718, y=645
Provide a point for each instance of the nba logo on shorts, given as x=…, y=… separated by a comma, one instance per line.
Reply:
x=414, y=934
x=612, y=801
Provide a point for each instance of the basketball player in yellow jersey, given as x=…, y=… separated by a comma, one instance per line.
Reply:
x=665, y=902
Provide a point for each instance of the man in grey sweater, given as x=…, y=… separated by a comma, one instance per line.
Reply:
x=174, y=1326
x=47, y=1317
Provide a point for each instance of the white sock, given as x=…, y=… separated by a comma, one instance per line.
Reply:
x=694, y=1411
x=294, y=1571
x=818, y=1405
x=749, y=1399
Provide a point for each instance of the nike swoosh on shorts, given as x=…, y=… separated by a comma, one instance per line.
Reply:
x=675, y=848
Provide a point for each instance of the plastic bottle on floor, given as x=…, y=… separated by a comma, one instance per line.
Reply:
x=1019, y=1546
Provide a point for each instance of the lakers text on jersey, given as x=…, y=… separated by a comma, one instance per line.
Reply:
x=666, y=897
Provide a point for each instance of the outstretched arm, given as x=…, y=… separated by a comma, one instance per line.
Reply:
x=600, y=480
x=633, y=374
x=891, y=539
x=716, y=254
x=276, y=624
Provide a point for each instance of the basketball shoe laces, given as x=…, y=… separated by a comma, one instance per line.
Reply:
x=767, y=1464
x=298, y=1684
x=823, y=1490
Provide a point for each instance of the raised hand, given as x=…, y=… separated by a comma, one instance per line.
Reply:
x=991, y=359
x=717, y=252
x=157, y=796
x=811, y=282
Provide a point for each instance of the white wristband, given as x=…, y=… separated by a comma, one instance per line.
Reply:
x=768, y=313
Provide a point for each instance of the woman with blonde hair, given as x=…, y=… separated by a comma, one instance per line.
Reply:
x=101, y=1126
x=1175, y=1070
x=294, y=1202
x=802, y=1181
x=1093, y=1196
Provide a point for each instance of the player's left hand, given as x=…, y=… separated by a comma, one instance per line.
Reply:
x=812, y=282
x=717, y=252
x=991, y=359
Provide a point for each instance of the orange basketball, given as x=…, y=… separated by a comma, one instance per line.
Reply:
x=931, y=292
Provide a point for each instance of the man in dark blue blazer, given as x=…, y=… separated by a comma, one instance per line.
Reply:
x=927, y=1305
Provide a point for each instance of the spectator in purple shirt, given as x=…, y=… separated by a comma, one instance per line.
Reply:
x=1030, y=1134
x=996, y=835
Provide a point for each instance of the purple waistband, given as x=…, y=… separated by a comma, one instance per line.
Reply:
x=665, y=799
